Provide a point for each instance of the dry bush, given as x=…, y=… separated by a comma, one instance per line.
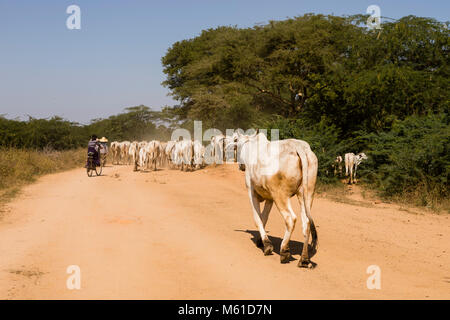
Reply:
x=18, y=166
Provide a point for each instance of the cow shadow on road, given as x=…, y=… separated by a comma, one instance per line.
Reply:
x=296, y=247
x=149, y=171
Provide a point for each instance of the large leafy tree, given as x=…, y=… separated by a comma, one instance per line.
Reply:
x=311, y=67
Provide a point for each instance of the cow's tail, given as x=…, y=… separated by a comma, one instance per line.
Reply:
x=308, y=192
x=192, y=156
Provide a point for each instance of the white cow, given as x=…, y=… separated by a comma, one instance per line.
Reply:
x=115, y=150
x=143, y=157
x=230, y=148
x=337, y=165
x=183, y=154
x=274, y=172
x=352, y=162
x=133, y=153
x=153, y=151
x=124, y=148
x=169, y=152
x=199, y=154
x=218, y=148
x=162, y=154
x=140, y=155
x=176, y=154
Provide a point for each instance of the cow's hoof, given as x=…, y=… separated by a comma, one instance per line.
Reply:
x=285, y=256
x=305, y=263
x=259, y=243
x=268, y=247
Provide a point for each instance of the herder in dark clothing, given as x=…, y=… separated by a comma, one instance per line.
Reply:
x=94, y=146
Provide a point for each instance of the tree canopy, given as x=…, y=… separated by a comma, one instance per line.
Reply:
x=314, y=67
x=135, y=123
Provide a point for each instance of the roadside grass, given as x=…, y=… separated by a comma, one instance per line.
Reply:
x=339, y=192
x=421, y=198
x=369, y=197
x=19, y=167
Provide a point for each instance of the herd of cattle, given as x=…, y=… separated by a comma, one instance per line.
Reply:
x=183, y=154
x=275, y=171
x=191, y=155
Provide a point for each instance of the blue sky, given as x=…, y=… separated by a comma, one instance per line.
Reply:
x=114, y=61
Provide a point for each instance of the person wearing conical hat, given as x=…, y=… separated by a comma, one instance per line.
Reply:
x=103, y=151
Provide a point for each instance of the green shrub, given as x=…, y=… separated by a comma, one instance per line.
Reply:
x=412, y=160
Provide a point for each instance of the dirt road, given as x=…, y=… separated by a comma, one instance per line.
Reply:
x=188, y=235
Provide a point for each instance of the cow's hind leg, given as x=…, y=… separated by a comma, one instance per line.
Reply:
x=268, y=247
x=264, y=217
x=350, y=179
x=305, y=199
x=284, y=206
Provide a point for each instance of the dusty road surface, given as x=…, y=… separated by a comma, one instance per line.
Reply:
x=189, y=235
